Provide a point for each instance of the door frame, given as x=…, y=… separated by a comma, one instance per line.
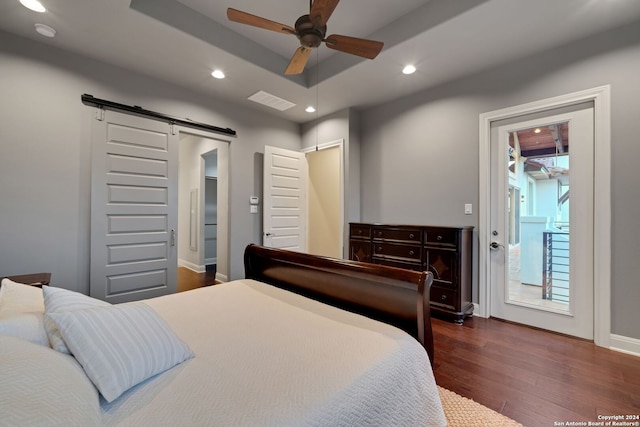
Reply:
x=224, y=226
x=601, y=98
x=339, y=143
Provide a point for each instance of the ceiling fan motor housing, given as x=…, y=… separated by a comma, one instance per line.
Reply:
x=309, y=35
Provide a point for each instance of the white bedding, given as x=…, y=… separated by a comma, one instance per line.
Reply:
x=267, y=357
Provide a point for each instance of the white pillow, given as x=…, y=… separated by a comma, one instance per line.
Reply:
x=28, y=326
x=41, y=387
x=121, y=345
x=58, y=300
x=19, y=298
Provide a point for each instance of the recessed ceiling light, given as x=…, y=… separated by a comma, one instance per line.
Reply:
x=218, y=74
x=409, y=69
x=34, y=5
x=537, y=130
x=45, y=30
x=310, y=109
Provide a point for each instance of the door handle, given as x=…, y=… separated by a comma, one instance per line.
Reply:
x=267, y=234
x=495, y=245
x=172, y=239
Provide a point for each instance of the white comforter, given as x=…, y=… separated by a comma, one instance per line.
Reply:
x=267, y=357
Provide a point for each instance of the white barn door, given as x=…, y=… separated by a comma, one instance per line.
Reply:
x=285, y=199
x=134, y=171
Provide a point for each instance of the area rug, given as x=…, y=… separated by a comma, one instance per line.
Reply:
x=463, y=412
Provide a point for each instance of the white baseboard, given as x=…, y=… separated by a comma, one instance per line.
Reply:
x=476, y=310
x=625, y=344
x=191, y=266
x=616, y=342
x=221, y=277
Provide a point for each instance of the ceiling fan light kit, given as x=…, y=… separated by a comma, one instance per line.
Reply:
x=311, y=30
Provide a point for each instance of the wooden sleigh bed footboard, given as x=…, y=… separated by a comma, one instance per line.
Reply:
x=392, y=295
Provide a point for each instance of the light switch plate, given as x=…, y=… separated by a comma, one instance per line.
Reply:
x=468, y=210
x=253, y=209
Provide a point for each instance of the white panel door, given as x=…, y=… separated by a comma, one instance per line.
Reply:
x=134, y=172
x=285, y=199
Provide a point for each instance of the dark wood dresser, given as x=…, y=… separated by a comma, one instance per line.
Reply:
x=445, y=251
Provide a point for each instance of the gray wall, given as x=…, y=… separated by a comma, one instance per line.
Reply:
x=420, y=153
x=45, y=148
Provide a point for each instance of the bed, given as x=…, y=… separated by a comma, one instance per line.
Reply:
x=301, y=341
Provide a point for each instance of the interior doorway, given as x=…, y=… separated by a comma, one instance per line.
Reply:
x=289, y=196
x=325, y=202
x=203, y=204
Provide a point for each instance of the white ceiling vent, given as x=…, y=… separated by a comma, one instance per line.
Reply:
x=272, y=101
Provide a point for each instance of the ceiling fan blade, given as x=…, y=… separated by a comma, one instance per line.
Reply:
x=298, y=61
x=256, y=21
x=321, y=11
x=355, y=46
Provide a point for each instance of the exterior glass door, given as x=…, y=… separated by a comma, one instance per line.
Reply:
x=542, y=223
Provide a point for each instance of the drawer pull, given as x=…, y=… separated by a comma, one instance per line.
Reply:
x=439, y=238
x=379, y=248
x=411, y=252
x=411, y=236
x=444, y=297
x=359, y=231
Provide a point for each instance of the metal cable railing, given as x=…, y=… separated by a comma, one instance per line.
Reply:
x=555, y=266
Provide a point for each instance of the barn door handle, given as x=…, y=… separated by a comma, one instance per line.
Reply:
x=172, y=240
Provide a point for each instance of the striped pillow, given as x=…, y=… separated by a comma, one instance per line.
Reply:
x=121, y=345
x=58, y=300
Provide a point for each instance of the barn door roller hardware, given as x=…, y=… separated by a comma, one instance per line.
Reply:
x=102, y=103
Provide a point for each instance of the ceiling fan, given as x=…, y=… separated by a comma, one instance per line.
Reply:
x=311, y=30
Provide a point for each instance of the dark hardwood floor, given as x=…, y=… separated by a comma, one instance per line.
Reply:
x=537, y=378
x=189, y=279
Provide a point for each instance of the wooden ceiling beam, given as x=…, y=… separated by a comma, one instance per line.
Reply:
x=557, y=138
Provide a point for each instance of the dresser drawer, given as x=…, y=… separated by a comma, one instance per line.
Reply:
x=397, y=234
x=393, y=262
x=441, y=237
x=411, y=252
x=443, y=297
x=360, y=231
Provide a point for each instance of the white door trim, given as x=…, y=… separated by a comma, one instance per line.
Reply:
x=325, y=145
x=601, y=97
